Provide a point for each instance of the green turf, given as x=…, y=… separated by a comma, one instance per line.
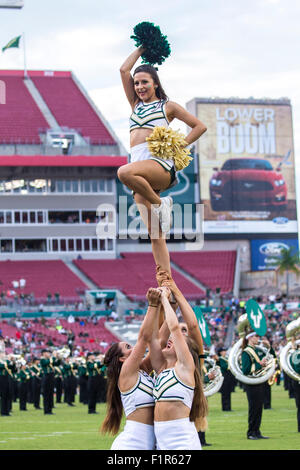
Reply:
x=72, y=428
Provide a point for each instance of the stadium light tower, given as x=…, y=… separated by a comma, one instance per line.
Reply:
x=11, y=3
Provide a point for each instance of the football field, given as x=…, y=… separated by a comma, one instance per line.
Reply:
x=72, y=428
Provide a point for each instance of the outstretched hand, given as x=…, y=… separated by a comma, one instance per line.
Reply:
x=165, y=292
x=153, y=296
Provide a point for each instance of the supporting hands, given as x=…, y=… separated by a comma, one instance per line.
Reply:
x=164, y=279
x=165, y=294
x=161, y=275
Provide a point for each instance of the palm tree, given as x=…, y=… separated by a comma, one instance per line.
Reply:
x=287, y=263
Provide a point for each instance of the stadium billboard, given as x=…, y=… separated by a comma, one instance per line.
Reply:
x=246, y=165
x=265, y=252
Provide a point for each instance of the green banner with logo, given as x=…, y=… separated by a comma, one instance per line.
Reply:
x=202, y=325
x=256, y=317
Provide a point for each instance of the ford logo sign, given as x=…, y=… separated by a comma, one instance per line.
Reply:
x=272, y=248
x=280, y=220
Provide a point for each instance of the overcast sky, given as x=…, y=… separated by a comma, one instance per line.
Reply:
x=219, y=48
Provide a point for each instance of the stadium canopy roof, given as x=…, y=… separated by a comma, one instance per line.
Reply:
x=62, y=161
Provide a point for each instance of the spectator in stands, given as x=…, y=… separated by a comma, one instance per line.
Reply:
x=113, y=316
x=145, y=175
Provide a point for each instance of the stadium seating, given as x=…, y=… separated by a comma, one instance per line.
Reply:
x=212, y=268
x=20, y=118
x=133, y=274
x=90, y=337
x=42, y=277
x=71, y=109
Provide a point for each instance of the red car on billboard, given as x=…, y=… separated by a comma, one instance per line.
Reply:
x=247, y=184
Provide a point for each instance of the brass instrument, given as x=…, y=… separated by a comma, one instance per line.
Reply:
x=234, y=358
x=63, y=353
x=214, y=384
x=290, y=349
x=77, y=360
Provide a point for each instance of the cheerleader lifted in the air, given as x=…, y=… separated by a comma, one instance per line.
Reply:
x=154, y=162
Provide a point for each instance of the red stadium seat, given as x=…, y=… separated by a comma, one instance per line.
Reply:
x=71, y=108
x=212, y=268
x=20, y=118
x=42, y=277
x=133, y=275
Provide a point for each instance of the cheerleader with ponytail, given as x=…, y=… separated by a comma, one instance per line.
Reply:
x=156, y=151
x=180, y=405
x=130, y=387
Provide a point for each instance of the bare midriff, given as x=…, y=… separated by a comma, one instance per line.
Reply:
x=169, y=410
x=138, y=136
x=142, y=415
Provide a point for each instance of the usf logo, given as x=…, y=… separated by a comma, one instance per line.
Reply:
x=203, y=326
x=256, y=317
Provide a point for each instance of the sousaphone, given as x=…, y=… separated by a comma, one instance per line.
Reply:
x=290, y=353
x=252, y=320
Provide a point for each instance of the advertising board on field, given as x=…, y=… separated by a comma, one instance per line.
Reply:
x=246, y=165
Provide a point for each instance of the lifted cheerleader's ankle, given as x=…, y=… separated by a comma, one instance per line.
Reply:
x=164, y=213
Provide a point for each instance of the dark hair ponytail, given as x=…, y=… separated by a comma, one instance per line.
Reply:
x=146, y=68
x=112, y=420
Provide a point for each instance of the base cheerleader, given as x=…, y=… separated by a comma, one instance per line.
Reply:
x=179, y=399
x=130, y=388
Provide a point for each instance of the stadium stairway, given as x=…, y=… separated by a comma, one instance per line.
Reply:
x=86, y=280
x=53, y=124
x=188, y=277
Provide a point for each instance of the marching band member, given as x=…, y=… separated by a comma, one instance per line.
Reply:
x=58, y=382
x=290, y=362
x=6, y=371
x=295, y=364
x=68, y=376
x=251, y=362
x=35, y=371
x=47, y=364
x=227, y=385
x=94, y=370
x=23, y=377
x=83, y=380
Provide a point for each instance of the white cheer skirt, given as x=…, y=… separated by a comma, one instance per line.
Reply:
x=177, y=434
x=141, y=152
x=135, y=436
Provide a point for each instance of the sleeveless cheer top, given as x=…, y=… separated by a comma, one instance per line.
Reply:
x=148, y=115
x=168, y=387
x=140, y=395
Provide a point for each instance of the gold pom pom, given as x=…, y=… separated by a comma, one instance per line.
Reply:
x=169, y=144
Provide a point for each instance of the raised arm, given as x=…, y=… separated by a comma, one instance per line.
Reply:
x=134, y=362
x=156, y=356
x=186, y=311
x=184, y=358
x=127, y=79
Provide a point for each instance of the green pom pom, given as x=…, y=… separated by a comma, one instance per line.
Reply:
x=149, y=36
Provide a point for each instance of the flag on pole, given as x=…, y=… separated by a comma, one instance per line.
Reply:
x=12, y=43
